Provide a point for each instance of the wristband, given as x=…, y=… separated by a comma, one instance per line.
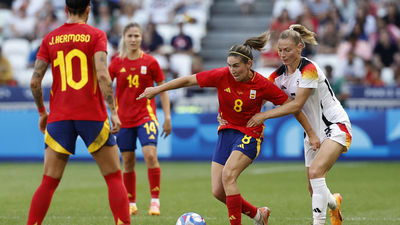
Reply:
x=42, y=109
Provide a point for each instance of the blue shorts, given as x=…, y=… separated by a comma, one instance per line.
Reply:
x=147, y=134
x=230, y=140
x=61, y=135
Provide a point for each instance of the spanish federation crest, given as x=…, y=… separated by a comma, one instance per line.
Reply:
x=143, y=69
x=253, y=94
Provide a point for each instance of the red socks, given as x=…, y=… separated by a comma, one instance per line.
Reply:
x=234, y=204
x=248, y=209
x=154, y=176
x=118, y=198
x=41, y=200
x=130, y=185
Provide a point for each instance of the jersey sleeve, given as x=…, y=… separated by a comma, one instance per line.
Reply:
x=156, y=71
x=273, y=94
x=309, y=77
x=43, y=53
x=101, y=42
x=211, y=78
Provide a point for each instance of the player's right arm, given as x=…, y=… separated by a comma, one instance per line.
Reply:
x=105, y=83
x=186, y=81
x=36, y=88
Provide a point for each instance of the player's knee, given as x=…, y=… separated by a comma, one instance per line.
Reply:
x=218, y=194
x=228, y=177
x=314, y=172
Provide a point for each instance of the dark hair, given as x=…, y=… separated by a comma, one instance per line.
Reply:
x=77, y=7
x=244, y=50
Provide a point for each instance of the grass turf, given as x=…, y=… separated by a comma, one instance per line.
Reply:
x=370, y=193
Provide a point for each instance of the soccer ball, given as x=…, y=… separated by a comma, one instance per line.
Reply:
x=190, y=218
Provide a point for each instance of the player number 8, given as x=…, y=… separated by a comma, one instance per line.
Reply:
x=238, y=105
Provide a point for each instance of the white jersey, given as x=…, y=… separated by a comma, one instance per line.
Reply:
x=322, y=109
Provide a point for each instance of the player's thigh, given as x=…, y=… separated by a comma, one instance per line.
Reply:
x=327, y=155
x=216, y=179
x=235, y=164
x=54, y=163
x=107, y=159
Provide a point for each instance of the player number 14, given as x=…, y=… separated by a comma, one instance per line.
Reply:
x=133, y=80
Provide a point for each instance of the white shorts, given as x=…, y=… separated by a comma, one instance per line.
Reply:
x=339, y=132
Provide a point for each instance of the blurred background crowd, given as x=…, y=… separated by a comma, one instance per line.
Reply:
x=359, y=40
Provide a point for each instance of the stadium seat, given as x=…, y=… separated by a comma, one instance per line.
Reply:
x=17, y=52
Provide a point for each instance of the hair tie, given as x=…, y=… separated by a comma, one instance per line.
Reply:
x=238, y=53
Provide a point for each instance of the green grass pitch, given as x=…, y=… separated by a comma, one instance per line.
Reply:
x=370, y=190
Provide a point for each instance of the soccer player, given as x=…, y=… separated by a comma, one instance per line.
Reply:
x=304, y=81
x=135, y=71
x=241, y=94
x=78, y=57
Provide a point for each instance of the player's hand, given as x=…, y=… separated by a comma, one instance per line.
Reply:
x=149, y=93
x=221, y=121
x=314, y=140
x=256, y=120
x=43, y=121
x=116, y=123
x=166, y=128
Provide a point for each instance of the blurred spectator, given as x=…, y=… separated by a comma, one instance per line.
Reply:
x=6, y=4
x=22, y=25
x=385, y=49
x=311, y=22
x=162, y=11
x=357, y=46
x=152, y=40
x=245, y=6
x=353, y=68
x=130, y=13
x=319, y=8
x=294, y=8
x=339, y=86
x=308, y=20
x=329, y=38
x=6, y=73
x=281, y=23
x=104, y=20
x=182, y=43
x=365, y=22
x=373, y=77
x=392, y=14
x=347, y=8
x=45, y=25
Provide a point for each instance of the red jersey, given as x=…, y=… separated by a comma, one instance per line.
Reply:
x=239, y=101
x=133, y=76
x=75, y=93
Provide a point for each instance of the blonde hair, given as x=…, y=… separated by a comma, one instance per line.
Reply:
x=244, y=50
x=123, y=52
x=299, y=34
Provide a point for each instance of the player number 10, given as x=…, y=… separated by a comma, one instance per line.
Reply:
x=66, y=73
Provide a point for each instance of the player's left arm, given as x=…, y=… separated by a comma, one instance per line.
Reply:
x=165, y=104
x=36, y=88
x=100, y=63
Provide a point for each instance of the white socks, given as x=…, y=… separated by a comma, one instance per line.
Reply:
x=320, y=200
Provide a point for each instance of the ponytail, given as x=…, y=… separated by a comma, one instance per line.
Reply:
x=244, y=50
x=299, y=34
